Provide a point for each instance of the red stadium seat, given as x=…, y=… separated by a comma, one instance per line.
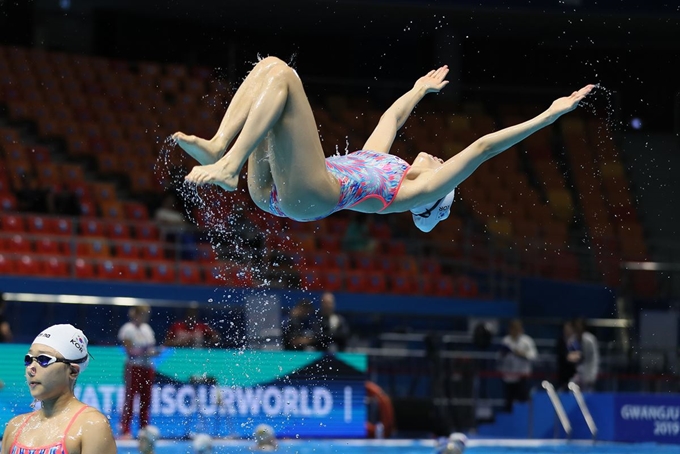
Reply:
x=403, y=284
x=88, y=209
x=318, y=259
x=388, y=263
x=395, y=248
x=48, y=246
x=242, y=278
x=189, y=273
x=28, y=266
x=214, y=275
x=63, y=227
x=11, y=223
x=7, y=265
x=443, y=286
x=163, y=272
x=147, y=231
x=38, y=224
x=333, y=280
x=206, y=253
x=136, y=211
x=431, y=267
x=312, y=280
x=84, y=269
x=363, y=261
x=126, y=250
x=93, y=247
x=56, y=267
x=338, y=261
x=466, y=287
x=117, y=230
x=425, y=285
x=19, y=243
x=109, y=269
x=92, y=227
x=356, y=281
x=408, y=265
x=134, y=271
x=8, y=202
x=153, y=251
x=112, y=210
x=376, y=282
x=329, y=243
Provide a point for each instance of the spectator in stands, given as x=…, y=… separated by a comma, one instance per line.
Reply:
x=175, y=227
x=139, y=341
x=301, y=329
x=5, y=328
x=584, y=353
x=289, y=176
x=518, y=351
x=62, y=423
x=192, y=332
x=565, y=368
x=334, y=331
x=357, y=237
x=168, y=214
x=30, y=196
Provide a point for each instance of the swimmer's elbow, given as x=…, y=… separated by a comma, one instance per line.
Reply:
x=483, y=148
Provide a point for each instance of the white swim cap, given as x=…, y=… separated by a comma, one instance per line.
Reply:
x=149, y=433
x=425, y=217
x=264, y=434
x=202, y=443
x=69, y=341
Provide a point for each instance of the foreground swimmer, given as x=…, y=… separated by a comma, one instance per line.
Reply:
x=62, y=424
x=289, y=176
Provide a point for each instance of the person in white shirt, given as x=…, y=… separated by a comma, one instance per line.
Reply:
x=518, y=351
x=139, y=341
x=583, y=351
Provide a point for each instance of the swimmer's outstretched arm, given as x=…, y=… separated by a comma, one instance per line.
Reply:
x=461, y=166
x=394, y=118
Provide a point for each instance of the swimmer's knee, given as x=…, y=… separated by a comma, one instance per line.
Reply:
x=283, y=73
x=271, y=62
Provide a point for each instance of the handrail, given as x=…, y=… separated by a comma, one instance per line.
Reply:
x=557, y=405
x=576, y=390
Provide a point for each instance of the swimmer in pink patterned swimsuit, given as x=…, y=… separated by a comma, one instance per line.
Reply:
x=288, y=174
x=362, y=175
x=62, y=424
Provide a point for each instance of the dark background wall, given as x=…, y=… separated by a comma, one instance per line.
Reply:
x=629, y=47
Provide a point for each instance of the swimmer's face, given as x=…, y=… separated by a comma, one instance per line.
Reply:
x=427, y=160
x=50, y=381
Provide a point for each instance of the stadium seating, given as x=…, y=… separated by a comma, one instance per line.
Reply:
x=97, y=122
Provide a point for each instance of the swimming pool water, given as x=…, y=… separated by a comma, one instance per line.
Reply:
x=415, y=447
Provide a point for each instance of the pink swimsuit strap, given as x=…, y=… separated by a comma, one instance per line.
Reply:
x=18, y=448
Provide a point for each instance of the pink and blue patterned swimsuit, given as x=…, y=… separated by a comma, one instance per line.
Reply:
x=362, y=175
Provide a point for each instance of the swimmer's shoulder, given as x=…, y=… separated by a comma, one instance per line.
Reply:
x=12, y=427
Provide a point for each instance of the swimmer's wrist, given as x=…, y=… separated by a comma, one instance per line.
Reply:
x=549, y=116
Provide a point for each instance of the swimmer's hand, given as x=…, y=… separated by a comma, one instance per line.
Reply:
x=568, y=103
x=433, y=81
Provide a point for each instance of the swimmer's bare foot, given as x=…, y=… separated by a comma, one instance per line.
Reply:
x=204, y=151
x=213, y=174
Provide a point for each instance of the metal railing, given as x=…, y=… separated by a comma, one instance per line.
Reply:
x=559, y=409
x=576, y=391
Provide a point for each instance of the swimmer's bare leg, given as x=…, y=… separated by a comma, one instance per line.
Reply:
x=260, y=179
x=209, y=151
x=296, y=159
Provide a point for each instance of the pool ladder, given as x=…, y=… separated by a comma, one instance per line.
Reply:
x=562, y=415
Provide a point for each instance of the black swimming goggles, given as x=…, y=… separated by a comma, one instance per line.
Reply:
x=45, y=360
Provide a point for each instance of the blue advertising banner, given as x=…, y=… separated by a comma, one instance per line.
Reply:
x=647, y=417
x=224, y=393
